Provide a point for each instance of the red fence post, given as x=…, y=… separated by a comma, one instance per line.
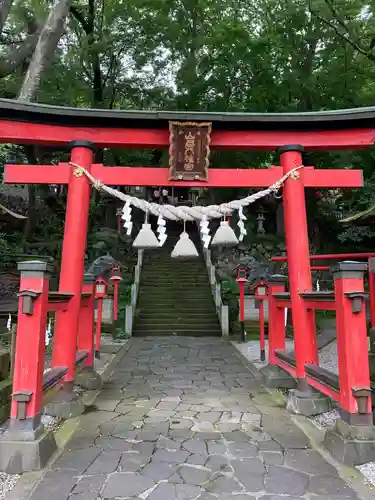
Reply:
x=371, y=284
x=352, y=346
x=87, y=377
x=352, y=441
x=115, y=280
x=26, y=446
x=273, y=376
x=276, y=318
x=261, y=332
x=101, y=288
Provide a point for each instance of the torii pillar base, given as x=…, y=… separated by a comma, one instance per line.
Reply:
x=307, y=403
x=89, y=379
x=351, y=444
x=274, y=377
x=66, y=403
x=26, y=451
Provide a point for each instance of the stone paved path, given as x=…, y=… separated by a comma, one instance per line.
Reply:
x=183, y=419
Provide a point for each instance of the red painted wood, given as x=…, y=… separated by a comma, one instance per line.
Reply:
x=328, y=178
x=72, y=263
x=57, y=306
x=151, y=176
x=99, y=324
x=37, y=174
x=324, y=389
x=276, y=323
x=330, y=256
x=34, y=133
x=371, y=286
x=297, y=249
x=30, y=346
x=286, y=366
x=261, y=325
x=242, y=301
x=352, y=348
x=115, y=299
x=86, y=324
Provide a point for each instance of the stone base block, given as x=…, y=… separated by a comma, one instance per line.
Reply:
x=18, y=456
x=89, y=379
x=351, y=445
x=276, y=378
x=308, y=404
x=65, y=405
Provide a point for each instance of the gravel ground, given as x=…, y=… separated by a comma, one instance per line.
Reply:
x=328, y=357
x=251, y=350
x=368, y=470
x=326, y=420
x=7, y=483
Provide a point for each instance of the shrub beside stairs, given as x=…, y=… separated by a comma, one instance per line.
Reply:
x=175, y=296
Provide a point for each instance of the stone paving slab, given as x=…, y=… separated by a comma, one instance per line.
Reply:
x=181, y=419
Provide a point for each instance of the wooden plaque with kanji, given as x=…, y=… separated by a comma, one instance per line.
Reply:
x=189, y=151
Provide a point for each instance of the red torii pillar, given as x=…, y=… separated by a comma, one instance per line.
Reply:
x=71, y=278
x=298, y=254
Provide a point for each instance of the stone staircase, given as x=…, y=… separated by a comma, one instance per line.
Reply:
x=175, y=296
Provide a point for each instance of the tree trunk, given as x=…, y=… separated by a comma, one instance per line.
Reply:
x=5, y=6
x=45, y=49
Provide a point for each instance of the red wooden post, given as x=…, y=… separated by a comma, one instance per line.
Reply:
x=100, y=293
x=371, y=284
x=352, y=346
x=297, y=248
x=242, y=281
x=86, y=319
x=261, y=293
x=72, y=262
x=27, y=397
x=261, y=326
x=276, y=319
x=116, y=280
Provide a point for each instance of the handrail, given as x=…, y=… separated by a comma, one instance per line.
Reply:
x=130, y=308
x=329, y=256
x=222, y=310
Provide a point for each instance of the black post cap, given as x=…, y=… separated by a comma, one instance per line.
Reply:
x=82, y=144
x=350, y=266
x=290, y=147
x=277, y=279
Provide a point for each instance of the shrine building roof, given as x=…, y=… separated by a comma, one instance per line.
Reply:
x=13, y=110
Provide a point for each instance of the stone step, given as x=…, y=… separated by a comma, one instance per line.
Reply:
x=193, y=315
x=177, y=322
x=178, y=281
x=172, y=304
x=181, y=266
x=177, y=311
x=188, y=295
x=169, y=327
x=177, y=333
x=176, y=293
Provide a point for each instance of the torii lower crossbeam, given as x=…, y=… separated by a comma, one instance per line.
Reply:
x=151, y=176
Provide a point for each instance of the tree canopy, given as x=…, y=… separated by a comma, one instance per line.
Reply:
x=214, y=55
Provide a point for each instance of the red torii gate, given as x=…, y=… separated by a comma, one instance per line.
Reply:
x=74, y=244
x=84, y=130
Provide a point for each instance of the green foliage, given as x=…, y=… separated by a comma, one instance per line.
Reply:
x=214, y=55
